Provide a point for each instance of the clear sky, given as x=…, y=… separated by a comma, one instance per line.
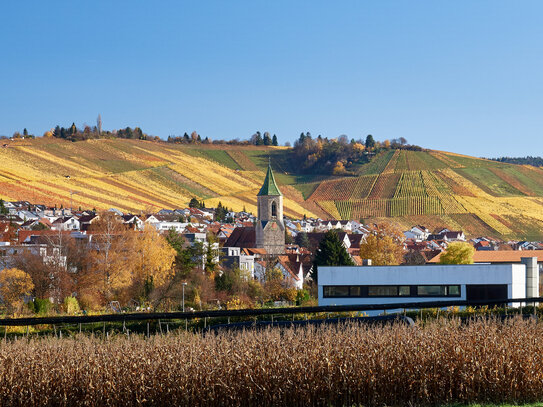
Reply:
x=461, y=76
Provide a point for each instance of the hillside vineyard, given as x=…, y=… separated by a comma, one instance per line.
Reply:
x=406, y=187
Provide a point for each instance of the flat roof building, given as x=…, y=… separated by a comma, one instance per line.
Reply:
x=353, y=285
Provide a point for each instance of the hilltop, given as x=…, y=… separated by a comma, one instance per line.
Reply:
x=434, y=188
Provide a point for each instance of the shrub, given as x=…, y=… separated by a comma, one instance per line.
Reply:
x=71, y=306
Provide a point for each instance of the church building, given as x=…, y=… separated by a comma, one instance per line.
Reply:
x=269, y=228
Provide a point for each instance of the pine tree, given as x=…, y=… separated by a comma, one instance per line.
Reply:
x=274, y=140
x=331, y=252
x=267, y=139
x=302, y=240
x=3, y=209
x=258, y=139
x=370, y=142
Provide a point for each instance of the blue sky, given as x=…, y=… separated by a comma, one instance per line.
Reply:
x=461, y=76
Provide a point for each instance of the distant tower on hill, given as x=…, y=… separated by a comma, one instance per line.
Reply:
x=270, y=229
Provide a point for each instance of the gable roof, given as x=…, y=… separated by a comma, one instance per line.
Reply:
x=269, y=187
x=242, y=237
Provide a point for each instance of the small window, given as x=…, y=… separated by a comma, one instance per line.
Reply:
x=404, y=291
x=355, y=291
x=383, y=290
x=453, y=291
x=274, y=209
x=432, y=290
x=336, y=291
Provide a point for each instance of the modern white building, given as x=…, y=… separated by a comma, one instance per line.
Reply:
x=348, y=285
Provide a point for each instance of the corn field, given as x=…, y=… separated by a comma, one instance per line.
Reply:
x=436, y=363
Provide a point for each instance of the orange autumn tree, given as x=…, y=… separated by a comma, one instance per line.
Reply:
x=14, y=285
x=110, y=257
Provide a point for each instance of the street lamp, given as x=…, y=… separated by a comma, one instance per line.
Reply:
x=184, y=284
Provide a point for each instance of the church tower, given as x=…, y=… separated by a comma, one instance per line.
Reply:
x=270, y=229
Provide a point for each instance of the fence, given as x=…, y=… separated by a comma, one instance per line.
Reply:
x=158, y=316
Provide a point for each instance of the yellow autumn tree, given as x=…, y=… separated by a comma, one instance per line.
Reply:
x=14, y=285
x=384, y=247
x=339, y=168
x=458, y=253
x=152, y=259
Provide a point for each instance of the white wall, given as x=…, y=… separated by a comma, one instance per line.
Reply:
x=514, y=275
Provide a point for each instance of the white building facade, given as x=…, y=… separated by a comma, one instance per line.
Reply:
x=404, y=284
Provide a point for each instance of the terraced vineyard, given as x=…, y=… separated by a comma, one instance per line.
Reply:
x=137, y=175
x=441, y=189
x=434, y=188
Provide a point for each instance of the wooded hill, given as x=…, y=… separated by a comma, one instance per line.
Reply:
x=407, y=187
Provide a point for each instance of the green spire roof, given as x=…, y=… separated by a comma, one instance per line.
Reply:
x=269, y=187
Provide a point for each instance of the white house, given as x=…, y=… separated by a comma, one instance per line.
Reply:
x=403, y=284
x=291, y=269
x=417, y=233
x=66, y=223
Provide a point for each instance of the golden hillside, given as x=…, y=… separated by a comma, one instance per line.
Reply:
x=433, y=188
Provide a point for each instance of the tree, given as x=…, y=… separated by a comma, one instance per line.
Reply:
x=151, y=261
x=14, y=285
x=110, y=260
x=331, y=252
x=274, y=140
x=3, y=209
x=370, y=142
x=267, y=139
x=384, y=246
x=194, y=203
x=458, y=253
x=414, y=258
x=210, y=255
x=99, y=125
x=302, y=240
x=258, y=139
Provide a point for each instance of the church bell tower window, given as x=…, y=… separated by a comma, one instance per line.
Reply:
x=274, y=210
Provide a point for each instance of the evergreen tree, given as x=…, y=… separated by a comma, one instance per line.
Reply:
x=3, y=209
x=194, y=203
x=210, y=265
x=258, y=139
x=25, y=132
x=267, y=139
x=274, y=140
x=302, y=240
x=370, y=142
x=331, y=252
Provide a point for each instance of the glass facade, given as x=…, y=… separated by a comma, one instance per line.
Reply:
x=363, y=291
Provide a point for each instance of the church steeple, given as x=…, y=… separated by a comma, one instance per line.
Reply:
x=269, y=187
x=269, y=228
